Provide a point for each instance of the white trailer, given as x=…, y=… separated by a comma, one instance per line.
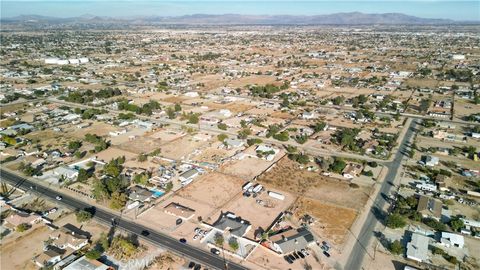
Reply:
x=247, y=186
x=257, y=188
x=276, y=195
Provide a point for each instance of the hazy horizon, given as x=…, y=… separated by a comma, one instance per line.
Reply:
x=464, y=10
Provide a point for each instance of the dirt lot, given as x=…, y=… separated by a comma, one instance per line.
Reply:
x=99, y=128
x=213, y=189
x=167, y=261
x=140, y=145
x=30, y=244
x=287, y=175
x=332, y=221
x=249, y=167
x=181, y=148
x=213, y=154
x=113, y=152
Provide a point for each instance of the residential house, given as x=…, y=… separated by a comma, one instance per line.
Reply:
x=69, y=236
x=83, y=263
x=234, y=143
x=452, y=240
x=429, y=207
x=140, y=194
x=233, y=224
x=430, y=161
x=188, y=176
x=18, y=218
x=291, y=240
x=178, y=210
x=308, y=115
x=417, y=248
x=352, y=170
x=49, y=257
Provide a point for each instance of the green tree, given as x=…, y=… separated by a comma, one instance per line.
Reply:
x=219, y=240
x=118, y=200
x=396, y=247
x=74, y=145
x=177, y=107
x=222, y=126
x=456, y=224
x=142, y=157
x=82, y=176
x=338, y=165
x=244, y=133
x=83, y=216
x=395, y=221
x=193, y=118
x=141, y=179
x=22, y=227
x=93, y=254
x=222, y=137
x=233, y=243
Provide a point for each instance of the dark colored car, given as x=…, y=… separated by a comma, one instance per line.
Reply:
x=215, y=251
x=287, y=259
x=296, y=255
x=300, y=254
x=326, y=254
x=292, y=258
x=191, y=265
x=145, y=233
x=183, y=240
x=197, y=267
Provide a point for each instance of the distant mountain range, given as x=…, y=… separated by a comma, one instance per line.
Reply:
x=352, y=18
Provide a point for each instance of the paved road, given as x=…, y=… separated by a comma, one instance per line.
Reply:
x=157, y=238
x=376, y=212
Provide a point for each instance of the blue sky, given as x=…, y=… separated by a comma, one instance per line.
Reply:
x=456, y=10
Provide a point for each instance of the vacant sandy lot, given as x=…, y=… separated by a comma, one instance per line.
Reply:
x=213, y=189
x=213, y=154
x=287, y=176
x=181, y=148
x=249, y=167
x=165, y=135
x=332, y=221
x=140, y=145
x=113, y=152
x=98, y=128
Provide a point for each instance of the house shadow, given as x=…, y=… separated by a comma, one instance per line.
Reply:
x=398, y=265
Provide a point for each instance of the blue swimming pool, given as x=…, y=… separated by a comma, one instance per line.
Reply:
x=157, y=193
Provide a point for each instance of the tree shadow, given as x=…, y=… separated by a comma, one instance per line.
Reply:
x=379, y=214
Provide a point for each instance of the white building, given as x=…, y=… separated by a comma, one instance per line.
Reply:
x=452, y=240
x=417, y=248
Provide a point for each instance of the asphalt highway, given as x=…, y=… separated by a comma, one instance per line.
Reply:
x=376, y=212
x=195, y=254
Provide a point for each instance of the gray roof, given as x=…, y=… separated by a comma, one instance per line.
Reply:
x=139, y=194
x=189, y=174
x=85, y=264
x=236, y=226
x=417, y=248
x=296, y=242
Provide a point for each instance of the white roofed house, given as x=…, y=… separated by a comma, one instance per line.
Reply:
x=267, y=151
x=234, y=143
x=308, y=115
x=417, y=248
x=452, y=240
x=291, y=240
x=188, y=176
